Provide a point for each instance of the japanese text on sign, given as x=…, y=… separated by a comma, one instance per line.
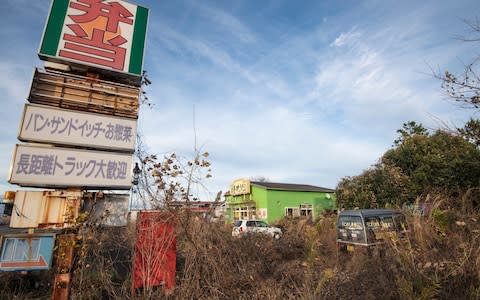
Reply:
x=60, y=125
x=98, y=32
x=43, y=166
x=51, y=165
x=240, y=187
x=46, y=124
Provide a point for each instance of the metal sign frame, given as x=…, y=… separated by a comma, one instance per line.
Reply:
x=38, y=257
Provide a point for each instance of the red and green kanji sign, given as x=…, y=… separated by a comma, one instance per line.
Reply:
x=105, y=34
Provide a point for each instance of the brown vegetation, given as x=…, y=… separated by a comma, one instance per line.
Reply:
x=440, y=259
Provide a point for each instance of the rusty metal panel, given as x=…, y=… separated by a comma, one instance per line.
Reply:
x=27, y=209
x=34, y=209
x=155, y=251
x=61, y=287
x=84, y=94
x=110, y=210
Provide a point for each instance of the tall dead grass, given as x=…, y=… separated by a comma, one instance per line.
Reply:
x=439, y=259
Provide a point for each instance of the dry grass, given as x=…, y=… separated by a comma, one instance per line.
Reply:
x=440, y=259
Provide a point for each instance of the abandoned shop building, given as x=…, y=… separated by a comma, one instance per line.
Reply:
x=270, y=201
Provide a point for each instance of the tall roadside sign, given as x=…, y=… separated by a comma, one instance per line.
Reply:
x=84, y=108
x=80, y=124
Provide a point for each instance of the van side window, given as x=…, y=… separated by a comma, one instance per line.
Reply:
x=387, y=223
x=372, y=223
x=350, y=222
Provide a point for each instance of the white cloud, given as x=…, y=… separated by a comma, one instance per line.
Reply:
x=227, y=23
x=306, y=103
x=346, y=38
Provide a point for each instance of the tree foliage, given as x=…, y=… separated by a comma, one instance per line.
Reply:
x=441, y=160
x=419, y=164
x=380, y=186
x=408, y=130
x=471, y=131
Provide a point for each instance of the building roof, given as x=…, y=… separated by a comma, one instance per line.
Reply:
x=291, y=187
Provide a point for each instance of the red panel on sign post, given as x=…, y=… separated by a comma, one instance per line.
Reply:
x=155, y=251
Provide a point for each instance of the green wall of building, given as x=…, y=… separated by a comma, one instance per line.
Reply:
x=275, y=202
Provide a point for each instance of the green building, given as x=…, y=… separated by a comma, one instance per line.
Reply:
x=270, y=201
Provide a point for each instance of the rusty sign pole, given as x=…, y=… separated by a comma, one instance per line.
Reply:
x=64, y=263
x=65, y=252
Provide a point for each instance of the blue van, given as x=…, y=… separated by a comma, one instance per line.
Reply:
x=363, y=229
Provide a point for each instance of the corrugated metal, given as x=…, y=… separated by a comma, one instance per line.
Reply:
x=155, y=251
x=34, y=209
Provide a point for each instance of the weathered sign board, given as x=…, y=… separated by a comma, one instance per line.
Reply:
x=109, y=210
x=41, y=166
x=52, y=125
x=105, y=35
x=26, y=252
x=42, y=209
x=240, y=187
x=76, y=92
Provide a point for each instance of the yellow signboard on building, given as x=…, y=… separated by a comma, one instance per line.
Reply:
x=240, y=187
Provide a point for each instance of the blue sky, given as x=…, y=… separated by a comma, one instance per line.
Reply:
x=294, y=91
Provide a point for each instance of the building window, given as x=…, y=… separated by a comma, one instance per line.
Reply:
x=292, y=212
x=19, y=249
x=306, y=210
x=244, y=212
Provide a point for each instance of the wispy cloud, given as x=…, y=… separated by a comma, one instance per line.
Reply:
x=347, y=37
x=227, y=23
x=306, y=102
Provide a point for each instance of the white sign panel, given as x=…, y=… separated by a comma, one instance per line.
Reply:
x=58, y=126
x=38, y=166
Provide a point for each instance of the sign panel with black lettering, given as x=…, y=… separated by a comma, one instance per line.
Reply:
x=37, y=166
x=47, y=124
